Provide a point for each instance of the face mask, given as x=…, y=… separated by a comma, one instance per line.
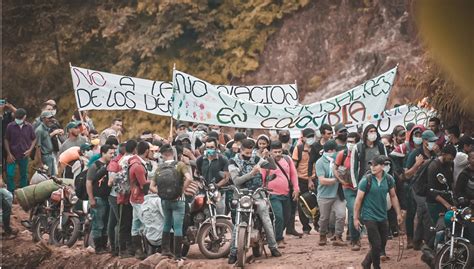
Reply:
x=431, y=145
x=19, y=122
x=446, y=137
x=386, y=168
x=350, y=146
x=156, y=155
x=53, y=112
x=95, y=141
x=285, y=139
x=372, y=137
x=246, y=158
x=417, y=140
x=210, y=152
x=310, y=141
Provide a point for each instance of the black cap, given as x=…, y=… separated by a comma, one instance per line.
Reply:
x=308, y=132
x=20, y=113
x=239, y=136
x=381, y=159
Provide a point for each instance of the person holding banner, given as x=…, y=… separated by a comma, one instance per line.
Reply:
x=115, y=129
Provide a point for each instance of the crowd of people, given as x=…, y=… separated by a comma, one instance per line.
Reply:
x=364, y=182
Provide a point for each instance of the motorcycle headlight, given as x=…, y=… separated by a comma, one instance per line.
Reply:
x=212, y=187
x=246, y=202
x=73, y=199
x=466, y=214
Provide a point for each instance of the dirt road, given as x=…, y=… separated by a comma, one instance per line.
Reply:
x=298, y=253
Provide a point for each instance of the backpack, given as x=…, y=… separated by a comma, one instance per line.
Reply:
x=369, y=185
x=168, y=182
x=122, y=181
x=80, y=184
x=420, y=180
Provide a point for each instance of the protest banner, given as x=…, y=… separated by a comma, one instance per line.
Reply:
x=402, y=115
x=199, y=101
x=105, y=91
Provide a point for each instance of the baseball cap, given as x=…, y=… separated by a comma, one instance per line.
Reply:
x=181, y=137
x=340, y=127
x=73, y=124
x=47, y=114
x=429, y=135
x=330, y=145
x=308, y=132
x=381, y=159
x=85, y=147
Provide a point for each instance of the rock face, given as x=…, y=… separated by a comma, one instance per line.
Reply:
x=331, y=46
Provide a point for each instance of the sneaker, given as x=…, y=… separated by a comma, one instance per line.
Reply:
x=338, y=242
x=323, y=240
x=307, y=232
x=232, y=259
x=355, y=246
x=275, y=252
x=294, y=233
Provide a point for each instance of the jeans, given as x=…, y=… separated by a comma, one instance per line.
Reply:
x=423, y=221
x=326, y=205
x=11, y=169
x=113, y=221
x=137, y=219
x=125, y=229
x=281, y=205
x=6, y=199
x=173, y=212
x=377, y=233
x=100, y=216
x=264, y=214
x=350, y=200
x=49, y=161
x=290, y=225
x=220, y=206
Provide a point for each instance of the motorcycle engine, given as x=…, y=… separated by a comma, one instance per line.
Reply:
x=191, y=234
x=199, y=218
x=255, y=236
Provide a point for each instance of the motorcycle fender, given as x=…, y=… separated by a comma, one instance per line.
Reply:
x=208, y=221
x=458, y=239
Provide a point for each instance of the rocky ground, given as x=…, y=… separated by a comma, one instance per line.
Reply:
x=298, y=253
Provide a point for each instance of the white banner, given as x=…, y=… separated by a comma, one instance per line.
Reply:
x=104, y=91
x=402, y=115
x=199, y=101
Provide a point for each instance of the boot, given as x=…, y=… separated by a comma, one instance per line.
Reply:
x=356, y=245
x=338, y=242
x=323, y=240
x=137, y=245
x=165, y=245
x=409, y=243
x=178, y=246
x=99, y=249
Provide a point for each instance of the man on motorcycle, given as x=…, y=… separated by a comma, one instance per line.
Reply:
x=244, y=170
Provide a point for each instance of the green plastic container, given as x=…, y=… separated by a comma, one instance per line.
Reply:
x=30, y=196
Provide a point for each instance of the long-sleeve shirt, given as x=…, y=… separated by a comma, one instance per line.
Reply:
x=280, y=184
x=138, y=179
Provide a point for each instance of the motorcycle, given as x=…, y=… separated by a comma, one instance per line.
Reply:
x=452, y=248
x=210, y=231
x=66, y=229
x=250, y=231
x=43, y=215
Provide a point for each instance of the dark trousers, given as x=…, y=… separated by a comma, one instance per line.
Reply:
x=281, y=211
x=377, y=233
x=6, y=212
x=303, y=184
x=290, y=224
x=112, y=228
x=125, y=226
x=411, y=211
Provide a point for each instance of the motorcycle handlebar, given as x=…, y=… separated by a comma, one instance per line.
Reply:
x=240, y=193
x=439, y=192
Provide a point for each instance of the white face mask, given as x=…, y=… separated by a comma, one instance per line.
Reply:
x=156, y=155
x=372, y=137
x=431, y=145
x=386, y=168
x=350, y=146
x=417, y=140
x=310, y=141
x=54, y=112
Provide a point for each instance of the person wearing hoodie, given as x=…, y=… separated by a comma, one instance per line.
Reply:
x=138, y=176
x=415, y=161
x=368, y=148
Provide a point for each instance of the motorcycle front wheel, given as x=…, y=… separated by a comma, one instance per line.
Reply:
x=241, y=249
x=215, y=248
x=40, y=229
x=68, y=235
x=463, y=256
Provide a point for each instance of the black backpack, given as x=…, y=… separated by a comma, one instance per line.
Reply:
x=420, y=179
x=80, y=184
x=168, y=182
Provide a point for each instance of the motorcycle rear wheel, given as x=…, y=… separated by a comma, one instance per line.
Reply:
x=241, y=249
x=463, y=256
x=40, y=228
